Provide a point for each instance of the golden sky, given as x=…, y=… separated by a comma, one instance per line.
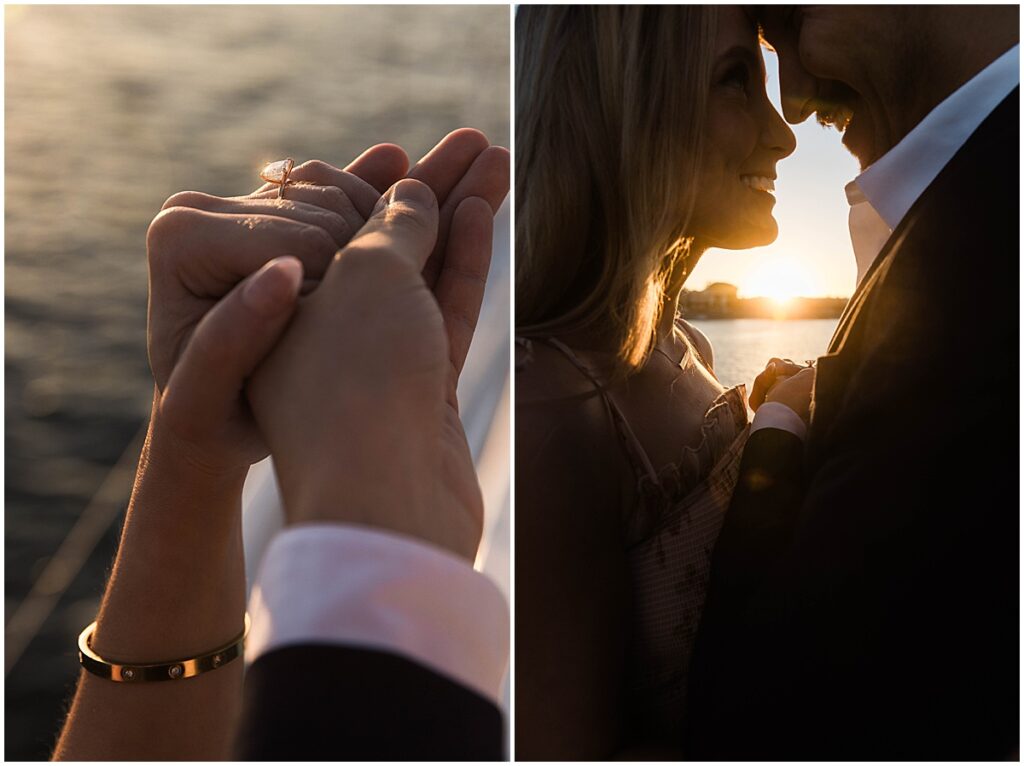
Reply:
x=812, y=255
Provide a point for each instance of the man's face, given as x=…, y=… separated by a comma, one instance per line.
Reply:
x=847, y=64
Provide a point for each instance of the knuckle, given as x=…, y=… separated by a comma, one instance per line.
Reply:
x=336, y=224
x=166, y=229
x=312, y=170
x=335, y=198
x=183, y=199
x=316, y=240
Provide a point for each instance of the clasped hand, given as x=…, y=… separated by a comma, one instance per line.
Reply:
x=329, y=329
x=787, y=383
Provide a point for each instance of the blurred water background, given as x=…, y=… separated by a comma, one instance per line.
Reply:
x=108, y=111
x=744, y=346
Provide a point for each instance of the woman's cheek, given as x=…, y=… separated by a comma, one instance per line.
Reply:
x=734, y=129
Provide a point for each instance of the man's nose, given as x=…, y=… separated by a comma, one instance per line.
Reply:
x=797, y=87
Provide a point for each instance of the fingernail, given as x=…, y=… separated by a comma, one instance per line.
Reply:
x=412, y=192
x=273, y=287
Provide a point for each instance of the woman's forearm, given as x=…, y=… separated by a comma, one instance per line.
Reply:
x=177, y=590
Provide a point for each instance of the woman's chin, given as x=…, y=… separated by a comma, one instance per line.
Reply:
x=747, y=237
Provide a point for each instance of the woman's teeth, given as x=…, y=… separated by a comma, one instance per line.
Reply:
x=759, y=183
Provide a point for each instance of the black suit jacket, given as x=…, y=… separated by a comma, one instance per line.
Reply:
x=864, y=597
x=337, y=703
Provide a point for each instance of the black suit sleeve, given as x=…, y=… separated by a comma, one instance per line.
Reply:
x=762, y=514
x=875, y=614
x=325, y=702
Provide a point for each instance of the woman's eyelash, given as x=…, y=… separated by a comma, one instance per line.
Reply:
x=736, y=75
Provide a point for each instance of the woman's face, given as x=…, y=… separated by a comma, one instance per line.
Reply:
x=745, y=138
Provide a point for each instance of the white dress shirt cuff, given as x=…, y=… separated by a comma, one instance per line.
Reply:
x=778, y=415
x=344, y=584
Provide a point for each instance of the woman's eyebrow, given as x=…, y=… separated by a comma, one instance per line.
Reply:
x=742, y=52
x=746, y=55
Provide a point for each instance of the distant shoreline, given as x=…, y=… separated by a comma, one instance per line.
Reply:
x=720, y=301
x=767, y=308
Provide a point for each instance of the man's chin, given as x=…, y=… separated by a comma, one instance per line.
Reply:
x=859, y=139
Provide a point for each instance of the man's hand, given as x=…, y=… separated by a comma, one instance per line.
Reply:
x=462, y=165
x=787, y=383
x=356, y=400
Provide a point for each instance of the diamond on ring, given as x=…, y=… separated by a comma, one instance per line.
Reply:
x=277, y=173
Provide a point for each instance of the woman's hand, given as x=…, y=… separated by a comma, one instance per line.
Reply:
x=222, y=291
x=787, y=383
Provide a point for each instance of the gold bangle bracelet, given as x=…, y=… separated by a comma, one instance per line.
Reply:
x=173, y=670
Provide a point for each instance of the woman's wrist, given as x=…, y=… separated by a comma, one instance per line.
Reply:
x=178, y=584
x=169, y=457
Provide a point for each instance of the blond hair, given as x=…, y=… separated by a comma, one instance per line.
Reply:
x=610, y=113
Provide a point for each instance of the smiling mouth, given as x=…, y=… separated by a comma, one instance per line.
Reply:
x=759, y=183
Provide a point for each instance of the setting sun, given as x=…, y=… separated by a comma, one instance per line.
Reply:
x=778, y=279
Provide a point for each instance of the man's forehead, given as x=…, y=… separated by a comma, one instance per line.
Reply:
x=762, y=13
x=770, y=19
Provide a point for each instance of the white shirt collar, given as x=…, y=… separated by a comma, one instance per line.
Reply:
x=897, y=179
x=893, y=183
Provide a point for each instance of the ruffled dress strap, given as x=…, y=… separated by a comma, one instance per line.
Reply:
x=635, y=452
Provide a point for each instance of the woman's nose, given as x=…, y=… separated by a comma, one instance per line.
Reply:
x=777, y=135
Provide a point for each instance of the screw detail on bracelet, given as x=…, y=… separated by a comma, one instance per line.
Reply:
x=172, y=670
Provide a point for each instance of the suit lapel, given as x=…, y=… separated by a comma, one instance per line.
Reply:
x=837, y=366
x=860, y=295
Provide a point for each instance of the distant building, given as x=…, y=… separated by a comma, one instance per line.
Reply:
x=720, y=300
x=716, y=300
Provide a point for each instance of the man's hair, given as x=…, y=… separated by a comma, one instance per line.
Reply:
x=610, y=112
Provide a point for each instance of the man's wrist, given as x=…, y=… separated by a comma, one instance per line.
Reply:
x=780, y=416
x=391, y=500
x=395, y=594
x=385, y=507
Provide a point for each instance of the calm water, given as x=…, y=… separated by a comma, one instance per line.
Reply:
x=109, y=110
x=744, y=346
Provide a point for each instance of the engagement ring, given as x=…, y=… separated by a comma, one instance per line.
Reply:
x=277, y=173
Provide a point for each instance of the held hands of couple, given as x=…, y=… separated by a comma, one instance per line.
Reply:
x=787, y=383
x=221, y=297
